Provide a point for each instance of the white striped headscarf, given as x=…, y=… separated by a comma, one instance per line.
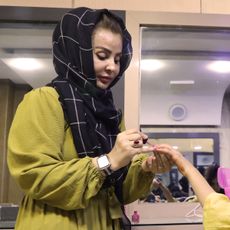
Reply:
x=89, y=111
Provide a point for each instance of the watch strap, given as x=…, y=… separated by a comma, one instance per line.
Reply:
x=108, y=171
x=104, y=168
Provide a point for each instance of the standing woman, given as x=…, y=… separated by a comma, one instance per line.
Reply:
x=67, y=147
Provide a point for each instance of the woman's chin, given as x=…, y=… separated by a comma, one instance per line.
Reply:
x=102, y=85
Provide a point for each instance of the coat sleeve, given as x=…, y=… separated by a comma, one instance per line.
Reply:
x=137, y=183
x=216, y=212
x=35, y=155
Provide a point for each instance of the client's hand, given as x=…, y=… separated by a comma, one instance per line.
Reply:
x=175, y=156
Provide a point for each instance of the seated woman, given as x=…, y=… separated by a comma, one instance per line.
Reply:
x=211, y=177
x=210, y=174
x=216, y=206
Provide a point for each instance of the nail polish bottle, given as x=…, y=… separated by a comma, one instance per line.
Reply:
x=135, y=217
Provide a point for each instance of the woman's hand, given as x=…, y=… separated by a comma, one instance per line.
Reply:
x=157, y=163
x=128, y=144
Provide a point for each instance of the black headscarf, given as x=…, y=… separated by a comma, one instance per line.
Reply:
x=89, y=110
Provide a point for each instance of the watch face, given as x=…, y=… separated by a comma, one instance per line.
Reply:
x=103, y=162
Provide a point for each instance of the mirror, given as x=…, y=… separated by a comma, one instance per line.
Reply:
x=184, y=80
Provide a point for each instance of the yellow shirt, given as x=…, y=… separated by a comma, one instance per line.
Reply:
x=216, y=212
x=62, y=191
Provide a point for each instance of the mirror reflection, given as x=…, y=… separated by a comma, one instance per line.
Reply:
x=201, y=149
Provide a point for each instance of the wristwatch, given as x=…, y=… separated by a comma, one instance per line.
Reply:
x=104, y=164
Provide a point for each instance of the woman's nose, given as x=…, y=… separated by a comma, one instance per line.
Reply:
x=111, y=65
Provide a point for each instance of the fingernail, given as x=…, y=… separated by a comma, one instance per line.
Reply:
x=145, y=140
x=148, y=148
x=136, y=142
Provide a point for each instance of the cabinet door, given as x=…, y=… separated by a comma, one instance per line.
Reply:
x=35, y=3
x=144, y=5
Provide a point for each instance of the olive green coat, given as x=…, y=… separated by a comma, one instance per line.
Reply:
x=61, y=190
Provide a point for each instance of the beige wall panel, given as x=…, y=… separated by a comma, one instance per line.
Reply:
x=15, y=194
x=144, y=5
x=10, y=96
x=6, y=98
x=215, y=6
x=36, y=3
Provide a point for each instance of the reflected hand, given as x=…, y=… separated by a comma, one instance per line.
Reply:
x=155, y=184
x=157, y=163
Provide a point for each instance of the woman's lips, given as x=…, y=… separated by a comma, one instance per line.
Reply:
x=105, y=80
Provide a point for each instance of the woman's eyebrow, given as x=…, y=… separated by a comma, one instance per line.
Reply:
x=103, y=48
x=107, y=50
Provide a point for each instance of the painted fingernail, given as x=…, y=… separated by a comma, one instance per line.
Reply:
x=136, y=142
x=145, y=141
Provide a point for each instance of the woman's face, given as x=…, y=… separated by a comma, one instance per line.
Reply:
x=107, y=51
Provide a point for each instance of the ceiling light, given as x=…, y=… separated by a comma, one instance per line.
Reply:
x=220, y=66
x=198, y=147
x=26, y=64
x=151, y=64
x=182, y=82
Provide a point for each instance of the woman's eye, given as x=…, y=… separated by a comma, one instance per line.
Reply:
x=101, y=56
x=117, y=61
x=104, y=56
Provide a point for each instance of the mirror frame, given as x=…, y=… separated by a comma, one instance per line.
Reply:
x=136, y=19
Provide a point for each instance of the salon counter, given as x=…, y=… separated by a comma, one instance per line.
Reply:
x=167, y=216
x=194, y=223
x=159, y=224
